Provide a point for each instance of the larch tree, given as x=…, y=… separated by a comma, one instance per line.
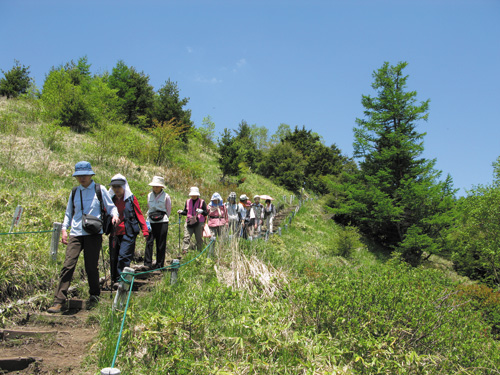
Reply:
x=396, y=197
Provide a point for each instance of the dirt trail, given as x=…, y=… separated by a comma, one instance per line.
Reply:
x=43, y=343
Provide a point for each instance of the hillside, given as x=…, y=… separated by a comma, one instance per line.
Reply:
x=316, y=300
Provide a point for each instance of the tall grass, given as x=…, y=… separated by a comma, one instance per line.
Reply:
x=293, y=305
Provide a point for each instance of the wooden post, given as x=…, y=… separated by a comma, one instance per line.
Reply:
x=54, y=242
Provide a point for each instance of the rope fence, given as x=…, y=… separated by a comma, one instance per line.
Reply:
x=127, y=277
x=127, y=281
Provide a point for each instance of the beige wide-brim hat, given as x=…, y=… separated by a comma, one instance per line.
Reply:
x=157, y=181
x=193, y=190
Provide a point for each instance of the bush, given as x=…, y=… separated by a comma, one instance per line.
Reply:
x=347, y=241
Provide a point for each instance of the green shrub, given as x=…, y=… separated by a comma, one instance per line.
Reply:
x=347, y=241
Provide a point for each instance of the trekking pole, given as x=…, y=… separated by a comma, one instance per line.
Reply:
x=103, y=266
x=179, y=233
x=113, y=246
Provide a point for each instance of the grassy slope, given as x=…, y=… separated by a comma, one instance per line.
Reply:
x=290, y=305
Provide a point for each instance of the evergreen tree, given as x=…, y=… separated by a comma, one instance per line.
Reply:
x=16, y=81
x=396, y=197
x=228, y=154
x=136, y=94
x=285, y=166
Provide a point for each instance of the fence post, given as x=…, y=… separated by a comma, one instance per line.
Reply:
x=54, y=242
x=211, y=248
x=173, y=271
x=123, y=288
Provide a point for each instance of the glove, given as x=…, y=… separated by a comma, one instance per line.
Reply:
x=180, y=211
x=148, y=224
x=199, y=210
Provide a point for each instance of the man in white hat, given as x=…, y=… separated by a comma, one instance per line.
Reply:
x=159, y=209
x=196, y=211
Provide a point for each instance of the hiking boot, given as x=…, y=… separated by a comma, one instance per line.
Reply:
x=92, y=302
x=56, y=308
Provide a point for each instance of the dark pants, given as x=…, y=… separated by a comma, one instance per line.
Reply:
x=159, y=232
x=91, y=246
x=189, y=230
x=121, y=252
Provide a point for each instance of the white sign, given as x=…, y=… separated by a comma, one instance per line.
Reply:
x=17, y=217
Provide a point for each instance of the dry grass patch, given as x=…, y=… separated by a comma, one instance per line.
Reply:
x=247, y=273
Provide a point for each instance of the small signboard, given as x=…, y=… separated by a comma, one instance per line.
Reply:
x=17, y=217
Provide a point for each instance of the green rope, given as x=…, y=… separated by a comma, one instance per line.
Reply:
x=42, y=231
x=123, y=323
x=130, y=293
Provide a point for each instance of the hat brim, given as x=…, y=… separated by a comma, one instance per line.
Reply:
x=84, y=173
x=156, y=184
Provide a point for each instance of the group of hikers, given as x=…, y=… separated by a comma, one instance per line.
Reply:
x=93, y=210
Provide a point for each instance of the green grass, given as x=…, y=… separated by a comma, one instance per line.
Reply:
x=316, y=300
x=300, y=308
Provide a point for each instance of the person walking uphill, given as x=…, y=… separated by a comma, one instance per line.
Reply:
x=195, y=209
x=83, y=201
x=159, y=209
x=122, y=239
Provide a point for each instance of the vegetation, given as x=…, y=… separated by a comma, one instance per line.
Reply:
x=294, y=305
x=396, y=198
x=16, y=81
x=322, y=298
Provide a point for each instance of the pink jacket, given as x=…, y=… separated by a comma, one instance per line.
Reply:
x=217, y=216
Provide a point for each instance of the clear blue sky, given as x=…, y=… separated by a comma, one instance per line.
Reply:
x=294, y=62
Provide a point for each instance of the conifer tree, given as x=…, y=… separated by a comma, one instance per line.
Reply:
x=396, y=197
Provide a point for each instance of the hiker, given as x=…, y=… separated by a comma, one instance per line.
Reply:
x=195, y=209
x=258, y=210
x=86, y=199
x=122, y=238
x=248, y=220
x=242, y=212
x=233, y=213
x=217, y=215
x=269, y=214
x=159, y=209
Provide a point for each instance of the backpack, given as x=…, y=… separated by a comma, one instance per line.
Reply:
x=107, y=225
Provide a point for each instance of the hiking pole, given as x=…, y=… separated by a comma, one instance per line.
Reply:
x=179, y=233
x=103, y=266
x=112, y=248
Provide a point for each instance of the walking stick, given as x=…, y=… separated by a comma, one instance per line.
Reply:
x=103, y=266
x=179, y=233
x=112, y=248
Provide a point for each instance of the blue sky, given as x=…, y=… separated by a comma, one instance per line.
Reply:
x=303, y=63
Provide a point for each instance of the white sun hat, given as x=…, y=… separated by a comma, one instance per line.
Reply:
x=193, y=190
x=157, y=181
